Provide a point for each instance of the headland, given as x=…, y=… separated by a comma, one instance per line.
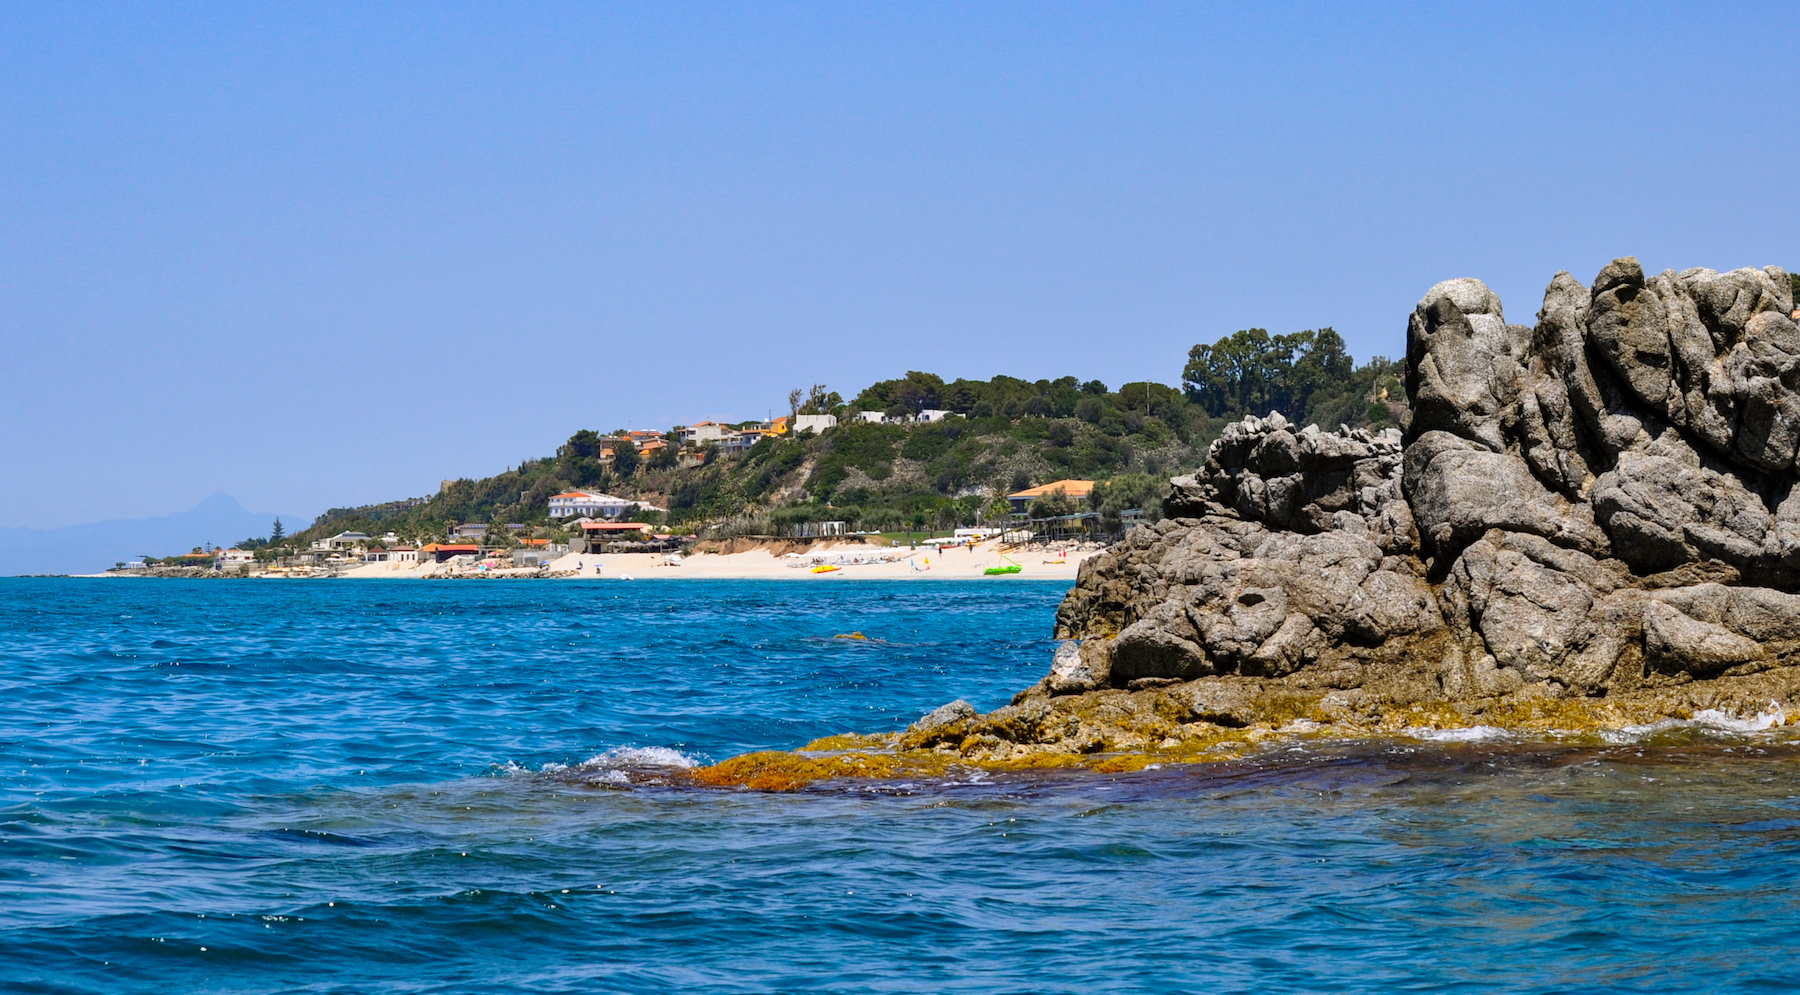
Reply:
x=1589, y=526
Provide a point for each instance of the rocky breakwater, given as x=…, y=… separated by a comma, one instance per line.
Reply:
x=1591, y=522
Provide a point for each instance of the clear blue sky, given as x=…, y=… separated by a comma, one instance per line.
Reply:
x=314, y=256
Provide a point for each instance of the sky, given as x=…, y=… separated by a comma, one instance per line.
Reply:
x=315, y=256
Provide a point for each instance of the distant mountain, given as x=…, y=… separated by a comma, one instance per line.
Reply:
x=92, y=548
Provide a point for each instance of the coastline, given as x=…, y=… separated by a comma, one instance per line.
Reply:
x=853, y=561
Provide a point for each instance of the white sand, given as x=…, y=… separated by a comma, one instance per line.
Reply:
x=759, y=564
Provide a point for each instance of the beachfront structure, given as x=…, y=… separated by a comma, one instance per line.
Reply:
x=1076, y=489
x=613, y=528
x=470, y=530
x=578, y=504
x=593, y=534
x=438, y=552
x=232, y=559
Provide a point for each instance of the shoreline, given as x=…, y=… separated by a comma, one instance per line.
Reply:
x=850, y=561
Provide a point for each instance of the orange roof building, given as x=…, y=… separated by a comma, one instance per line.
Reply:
x=1076, y=489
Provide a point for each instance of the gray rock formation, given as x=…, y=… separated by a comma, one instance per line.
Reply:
x=1601, y=502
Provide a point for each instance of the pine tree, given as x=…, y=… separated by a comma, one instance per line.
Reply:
x=276, y=533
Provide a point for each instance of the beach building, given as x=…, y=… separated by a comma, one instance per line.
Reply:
x=438, y=552
x=1075, y=489
x=232, y=559
x=470, y=530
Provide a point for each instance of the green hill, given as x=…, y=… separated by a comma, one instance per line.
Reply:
x=999, y=436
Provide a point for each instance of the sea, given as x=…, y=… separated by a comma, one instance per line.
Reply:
x=418, y=786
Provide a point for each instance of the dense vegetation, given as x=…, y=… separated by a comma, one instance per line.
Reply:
x=1307, y=376
x=1000, y=436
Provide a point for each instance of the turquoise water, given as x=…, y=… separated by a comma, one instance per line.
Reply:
x=438, y=787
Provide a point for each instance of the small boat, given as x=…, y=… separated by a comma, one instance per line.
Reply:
x=1010, y=568
x=825, y=568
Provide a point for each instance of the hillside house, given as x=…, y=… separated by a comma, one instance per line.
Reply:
x=589, y=504
x=340, y=542
x=703, y=433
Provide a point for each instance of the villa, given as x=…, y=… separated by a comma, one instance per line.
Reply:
x=577, y=504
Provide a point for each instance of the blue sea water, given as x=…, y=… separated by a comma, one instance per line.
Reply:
x=398, y=786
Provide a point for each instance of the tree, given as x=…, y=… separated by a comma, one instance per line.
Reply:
x=625, y=457
x=1252, y=372
x=276, y=533
x=819, y=401
x=585, y=444
x=794, y=397
x=1125, y=492
x=1052, y=505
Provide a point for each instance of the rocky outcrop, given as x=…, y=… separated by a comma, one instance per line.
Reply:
x=1598, y=505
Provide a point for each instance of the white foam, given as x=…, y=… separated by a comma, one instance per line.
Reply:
x=638, y=756
x=1710, y=720
x=1472, y=734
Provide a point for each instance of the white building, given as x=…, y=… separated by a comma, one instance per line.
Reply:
x=231, y=559
x=587, y=504
x=341, y=541
x=934, y=414
x=814, y=423
x=703, y=433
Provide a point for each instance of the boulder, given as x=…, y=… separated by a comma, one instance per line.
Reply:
x=1589, y=506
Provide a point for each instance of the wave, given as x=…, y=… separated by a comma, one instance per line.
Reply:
x=1709, y=722
x=615, y=766
x=1469, y=734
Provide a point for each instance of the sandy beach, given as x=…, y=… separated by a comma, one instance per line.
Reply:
x=853, y=561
